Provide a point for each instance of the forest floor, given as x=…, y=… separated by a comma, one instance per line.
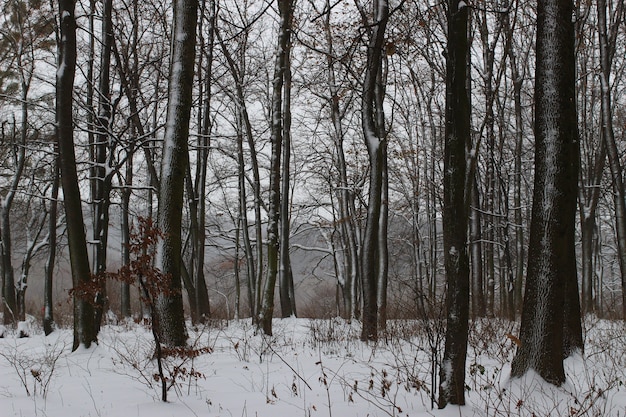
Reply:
x=307, y=368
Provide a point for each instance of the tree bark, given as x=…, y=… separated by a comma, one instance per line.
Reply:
x=455, y=216
x=48, y=314
x=478, y=295
x=551, y=328
x=285, y=273
x=101, y=177
x=372, y=123
x=84, y=331
x=608, y=136
x=285, y=8
x=169, y=307
x=125, y=308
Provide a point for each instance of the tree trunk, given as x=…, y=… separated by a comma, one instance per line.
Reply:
x=100, y=178
x=84, y=331
x=125, y=309
x=196, y=188
x=372, y=123
x=254, y=268
x=277, y=131
x=588, y=204
x=478, y=294
x=48, y=314
x=347, y=221
x=457, y=136
x=551, y=328
x=285, y=273
x=608, y=136
x=169, y=306
x=383, y=249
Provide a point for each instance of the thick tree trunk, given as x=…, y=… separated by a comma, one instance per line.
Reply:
x=455, y=216
x=84, y=331
x=551, y=327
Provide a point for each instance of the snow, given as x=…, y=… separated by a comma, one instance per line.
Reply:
x=308, y=368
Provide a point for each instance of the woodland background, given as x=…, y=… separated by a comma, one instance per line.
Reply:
x=120, y=104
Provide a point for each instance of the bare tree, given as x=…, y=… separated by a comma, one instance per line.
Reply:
x=23, y=34
x=253, y=253
x=84, y=330
x=607, y=50
x=285, y=8
x=169, y=306
x=457, y=136
x=373, y=125
x=101, y=175
x=196, y=187
x=551, y=327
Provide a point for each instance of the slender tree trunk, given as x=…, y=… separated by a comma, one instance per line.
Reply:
x=243, y=222
x=125, y=308
x=608, y=136
x=285, y=273
x=588, y=204
x=196, y=188
x=100, y=179
x=11, y=316
x=169, y=307
x=84, y=331
x=517, y=192
x=375, y=141
x=255, y=268
x=383, y=260
x=346, y=210
x=48, y=315
x=277, y=131
x=478, y=294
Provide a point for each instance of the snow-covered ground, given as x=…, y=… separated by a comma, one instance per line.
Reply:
x=308, y=368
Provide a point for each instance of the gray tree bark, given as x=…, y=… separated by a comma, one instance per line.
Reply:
x=169, y=308
x=285, y=273
x=551, y=328
x=48, y=314
x=285, y=8
x=372, y=124
x=608, y=136
x=84, y=331
x=101, y=177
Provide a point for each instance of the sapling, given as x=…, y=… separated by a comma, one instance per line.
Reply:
x=152, y=283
